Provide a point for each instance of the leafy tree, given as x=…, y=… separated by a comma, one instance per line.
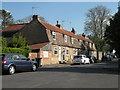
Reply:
x=101, y=44
x=97, y=18
x=28, y=19
x=6, y=18
x=3, y=42
x=112, y=34
x=18, y=42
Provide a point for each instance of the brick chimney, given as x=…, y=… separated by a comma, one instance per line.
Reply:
x=83, y=35
x=73, y=30
x=36, y=17
x=59, y=25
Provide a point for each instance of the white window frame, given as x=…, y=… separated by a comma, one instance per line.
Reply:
x=55, y=50
x=74, y=52
x=72, y=40
x=54, y=35
x=65, y=38
x=90, y=45
x=80, y=42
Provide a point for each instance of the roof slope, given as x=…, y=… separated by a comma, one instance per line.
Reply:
x=62, y=31
x=50, y=27
x=56, y=29
x=14, y=27
x=36, y=46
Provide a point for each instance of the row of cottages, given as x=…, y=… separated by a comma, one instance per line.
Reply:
x=51, y=43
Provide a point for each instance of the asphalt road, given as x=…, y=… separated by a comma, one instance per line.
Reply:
x=65, y=76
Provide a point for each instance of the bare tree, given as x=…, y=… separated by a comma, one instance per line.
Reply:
x=97, y=19
x=27, y=20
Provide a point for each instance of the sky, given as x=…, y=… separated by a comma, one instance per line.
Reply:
x=69, y=14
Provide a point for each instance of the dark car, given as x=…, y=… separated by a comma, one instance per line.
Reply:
x=16, y=62
x=92, y=59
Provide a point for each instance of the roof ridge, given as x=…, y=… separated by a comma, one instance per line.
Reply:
x=19, y=24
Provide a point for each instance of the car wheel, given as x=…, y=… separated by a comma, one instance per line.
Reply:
x=11, y=70
x=34, y=67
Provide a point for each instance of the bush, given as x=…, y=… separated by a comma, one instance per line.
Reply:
x=15, y=50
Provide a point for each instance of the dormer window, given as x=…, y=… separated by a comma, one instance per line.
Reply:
x=80, y=42
x=54, y=35
x=65, y=38
x=72, y=40
x=90, y=45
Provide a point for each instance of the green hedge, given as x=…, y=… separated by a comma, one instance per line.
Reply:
x=15, y=50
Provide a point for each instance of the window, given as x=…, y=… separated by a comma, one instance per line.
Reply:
x=22, y=57
x=65, y=38
x=72, y=40
x=74, y=52
x=54, y=35
x=55, y=50
x=91, y=45
x=67, y=52
x=80, y=42
x=15, y=57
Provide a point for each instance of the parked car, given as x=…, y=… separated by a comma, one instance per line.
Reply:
x=13, y=62
x=81, y=59
x=107, y=57
x=92, y=59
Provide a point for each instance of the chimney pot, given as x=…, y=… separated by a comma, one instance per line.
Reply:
x=36, y=17
x=59, y=25
x=73, y=30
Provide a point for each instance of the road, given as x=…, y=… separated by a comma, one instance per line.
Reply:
x=99, y=75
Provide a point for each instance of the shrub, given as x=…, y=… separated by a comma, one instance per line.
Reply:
x=15, y=50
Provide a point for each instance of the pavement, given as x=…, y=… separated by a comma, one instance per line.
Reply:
x=110, y=65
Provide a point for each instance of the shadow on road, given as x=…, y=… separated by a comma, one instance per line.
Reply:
x=99, y=68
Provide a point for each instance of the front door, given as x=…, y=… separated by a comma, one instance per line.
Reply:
x=59, y=58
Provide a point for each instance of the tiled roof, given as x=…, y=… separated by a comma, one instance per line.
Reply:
x=56, y=29
x=14, y=27
x=50, y=27
x=38, y=46
x=62, y=31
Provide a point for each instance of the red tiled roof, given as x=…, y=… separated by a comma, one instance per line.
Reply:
x=14, y=27
x=38, y=46
x=50, y=27
x=56, y=29
x=89, y=40
x=62, y=31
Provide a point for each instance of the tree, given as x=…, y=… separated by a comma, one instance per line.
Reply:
x=100, y=44
x=3, y=42
x=6, y=18
x=28, y=19
x=97, y=18
x=112, y=34
x=18, y=42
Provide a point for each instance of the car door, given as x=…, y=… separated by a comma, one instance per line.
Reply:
x=25, y=63
x=16, y=61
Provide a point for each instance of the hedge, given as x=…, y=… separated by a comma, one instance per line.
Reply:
x=15, y=50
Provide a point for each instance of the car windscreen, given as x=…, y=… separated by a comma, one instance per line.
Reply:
x=77, y=56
